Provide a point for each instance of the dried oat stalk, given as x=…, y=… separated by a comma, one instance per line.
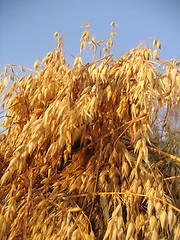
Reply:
x=91, y=151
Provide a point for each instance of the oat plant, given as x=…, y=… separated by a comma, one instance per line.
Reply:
x=91, y=151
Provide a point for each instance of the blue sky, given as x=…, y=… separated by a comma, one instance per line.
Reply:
x=27, y=26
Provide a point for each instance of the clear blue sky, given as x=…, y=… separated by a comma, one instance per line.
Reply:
x=27, y=26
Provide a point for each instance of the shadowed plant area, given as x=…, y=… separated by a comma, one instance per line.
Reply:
x=91, y=151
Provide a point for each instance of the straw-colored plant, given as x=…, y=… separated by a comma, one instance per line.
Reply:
x=91, y=151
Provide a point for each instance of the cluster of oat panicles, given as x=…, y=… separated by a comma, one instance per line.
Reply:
x=91, y=151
